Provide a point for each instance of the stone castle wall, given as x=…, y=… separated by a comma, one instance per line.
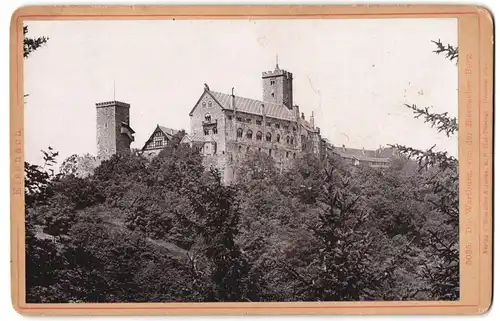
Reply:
x=106, y=132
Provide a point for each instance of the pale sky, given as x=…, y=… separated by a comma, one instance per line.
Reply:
x=355, y=74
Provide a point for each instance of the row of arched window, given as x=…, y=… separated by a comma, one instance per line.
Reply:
x=287, y=153
x=258, y=136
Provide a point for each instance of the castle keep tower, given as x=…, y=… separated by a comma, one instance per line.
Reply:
x=277, y=87
x=113, y=131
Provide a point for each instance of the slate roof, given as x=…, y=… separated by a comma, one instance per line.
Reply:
x=253, y=106
x=194, y=138
x=379, y=155
x=168, y=131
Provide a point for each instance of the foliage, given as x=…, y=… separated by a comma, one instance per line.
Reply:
x=169, y=230
x=451, y=52
x=32, y=44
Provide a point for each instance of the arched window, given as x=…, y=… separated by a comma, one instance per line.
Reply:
x=291, y=140
x=239, y=149
x=248, y=149
x=239, y=132
x=270, y=152
x=249, y=134
x=203, y=104
x=259, y=136
x=268, y=137
x=260, y=149
x=208, y=117
x=215, y=130
x=287, y=140
x=293, y=155
x=210, y=104
x=278, y=138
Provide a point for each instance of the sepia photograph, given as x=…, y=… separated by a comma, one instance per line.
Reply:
x=241, y=160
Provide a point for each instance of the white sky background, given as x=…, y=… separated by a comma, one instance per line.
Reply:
x=354, y=74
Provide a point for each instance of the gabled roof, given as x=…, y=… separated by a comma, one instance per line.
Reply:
x=248, y=105
x=307, y=125
x=193, y=138
x=379, y=155
x=253, y=106
x=168, y=132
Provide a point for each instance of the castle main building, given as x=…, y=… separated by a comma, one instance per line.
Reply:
x=227, y=127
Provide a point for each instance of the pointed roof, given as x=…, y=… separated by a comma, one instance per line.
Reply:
x=168, y=131
x=253, y=106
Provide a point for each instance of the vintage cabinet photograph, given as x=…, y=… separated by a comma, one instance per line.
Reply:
x=243, y=160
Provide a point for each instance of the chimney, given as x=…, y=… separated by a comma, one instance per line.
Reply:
x=311, y=119
x=302, y=116
x=233, y=103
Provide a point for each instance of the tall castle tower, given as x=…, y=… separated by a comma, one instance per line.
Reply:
x=113, y=131
x=277, y=86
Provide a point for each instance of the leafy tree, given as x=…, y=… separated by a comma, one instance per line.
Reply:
x=32, y=44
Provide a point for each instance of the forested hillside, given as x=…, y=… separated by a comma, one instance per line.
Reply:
x=168, y=230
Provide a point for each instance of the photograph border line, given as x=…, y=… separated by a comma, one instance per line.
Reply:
x=375, y=304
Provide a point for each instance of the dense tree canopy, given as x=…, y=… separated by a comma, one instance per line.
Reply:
x=169, y=230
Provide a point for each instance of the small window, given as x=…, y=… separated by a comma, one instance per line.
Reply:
x=294, y=128
x=272, y=95
x=278, y=138
x=268, y=124
x=258, y=136
x=293, y=155
x=287, y=154
x=248, y=149
x=238, y=118
x=277, y=125
x=249, y=134
x=206, y=132
x=215, y=130
x=258, y=122
x=203, y=104
x=268, y=137
x=291, y=140
x=286, y=127
x=229, y=117
x=239, y=149
x=270, y=151
x=249, y=120
x=210, y=104
x=273, y=82
x=288, y=140
x=208, y=117
x=260, y=149
x=239, y=133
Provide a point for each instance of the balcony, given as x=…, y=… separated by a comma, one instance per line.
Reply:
x=209, y=122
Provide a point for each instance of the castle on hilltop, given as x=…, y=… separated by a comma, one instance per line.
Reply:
x=226, y=127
